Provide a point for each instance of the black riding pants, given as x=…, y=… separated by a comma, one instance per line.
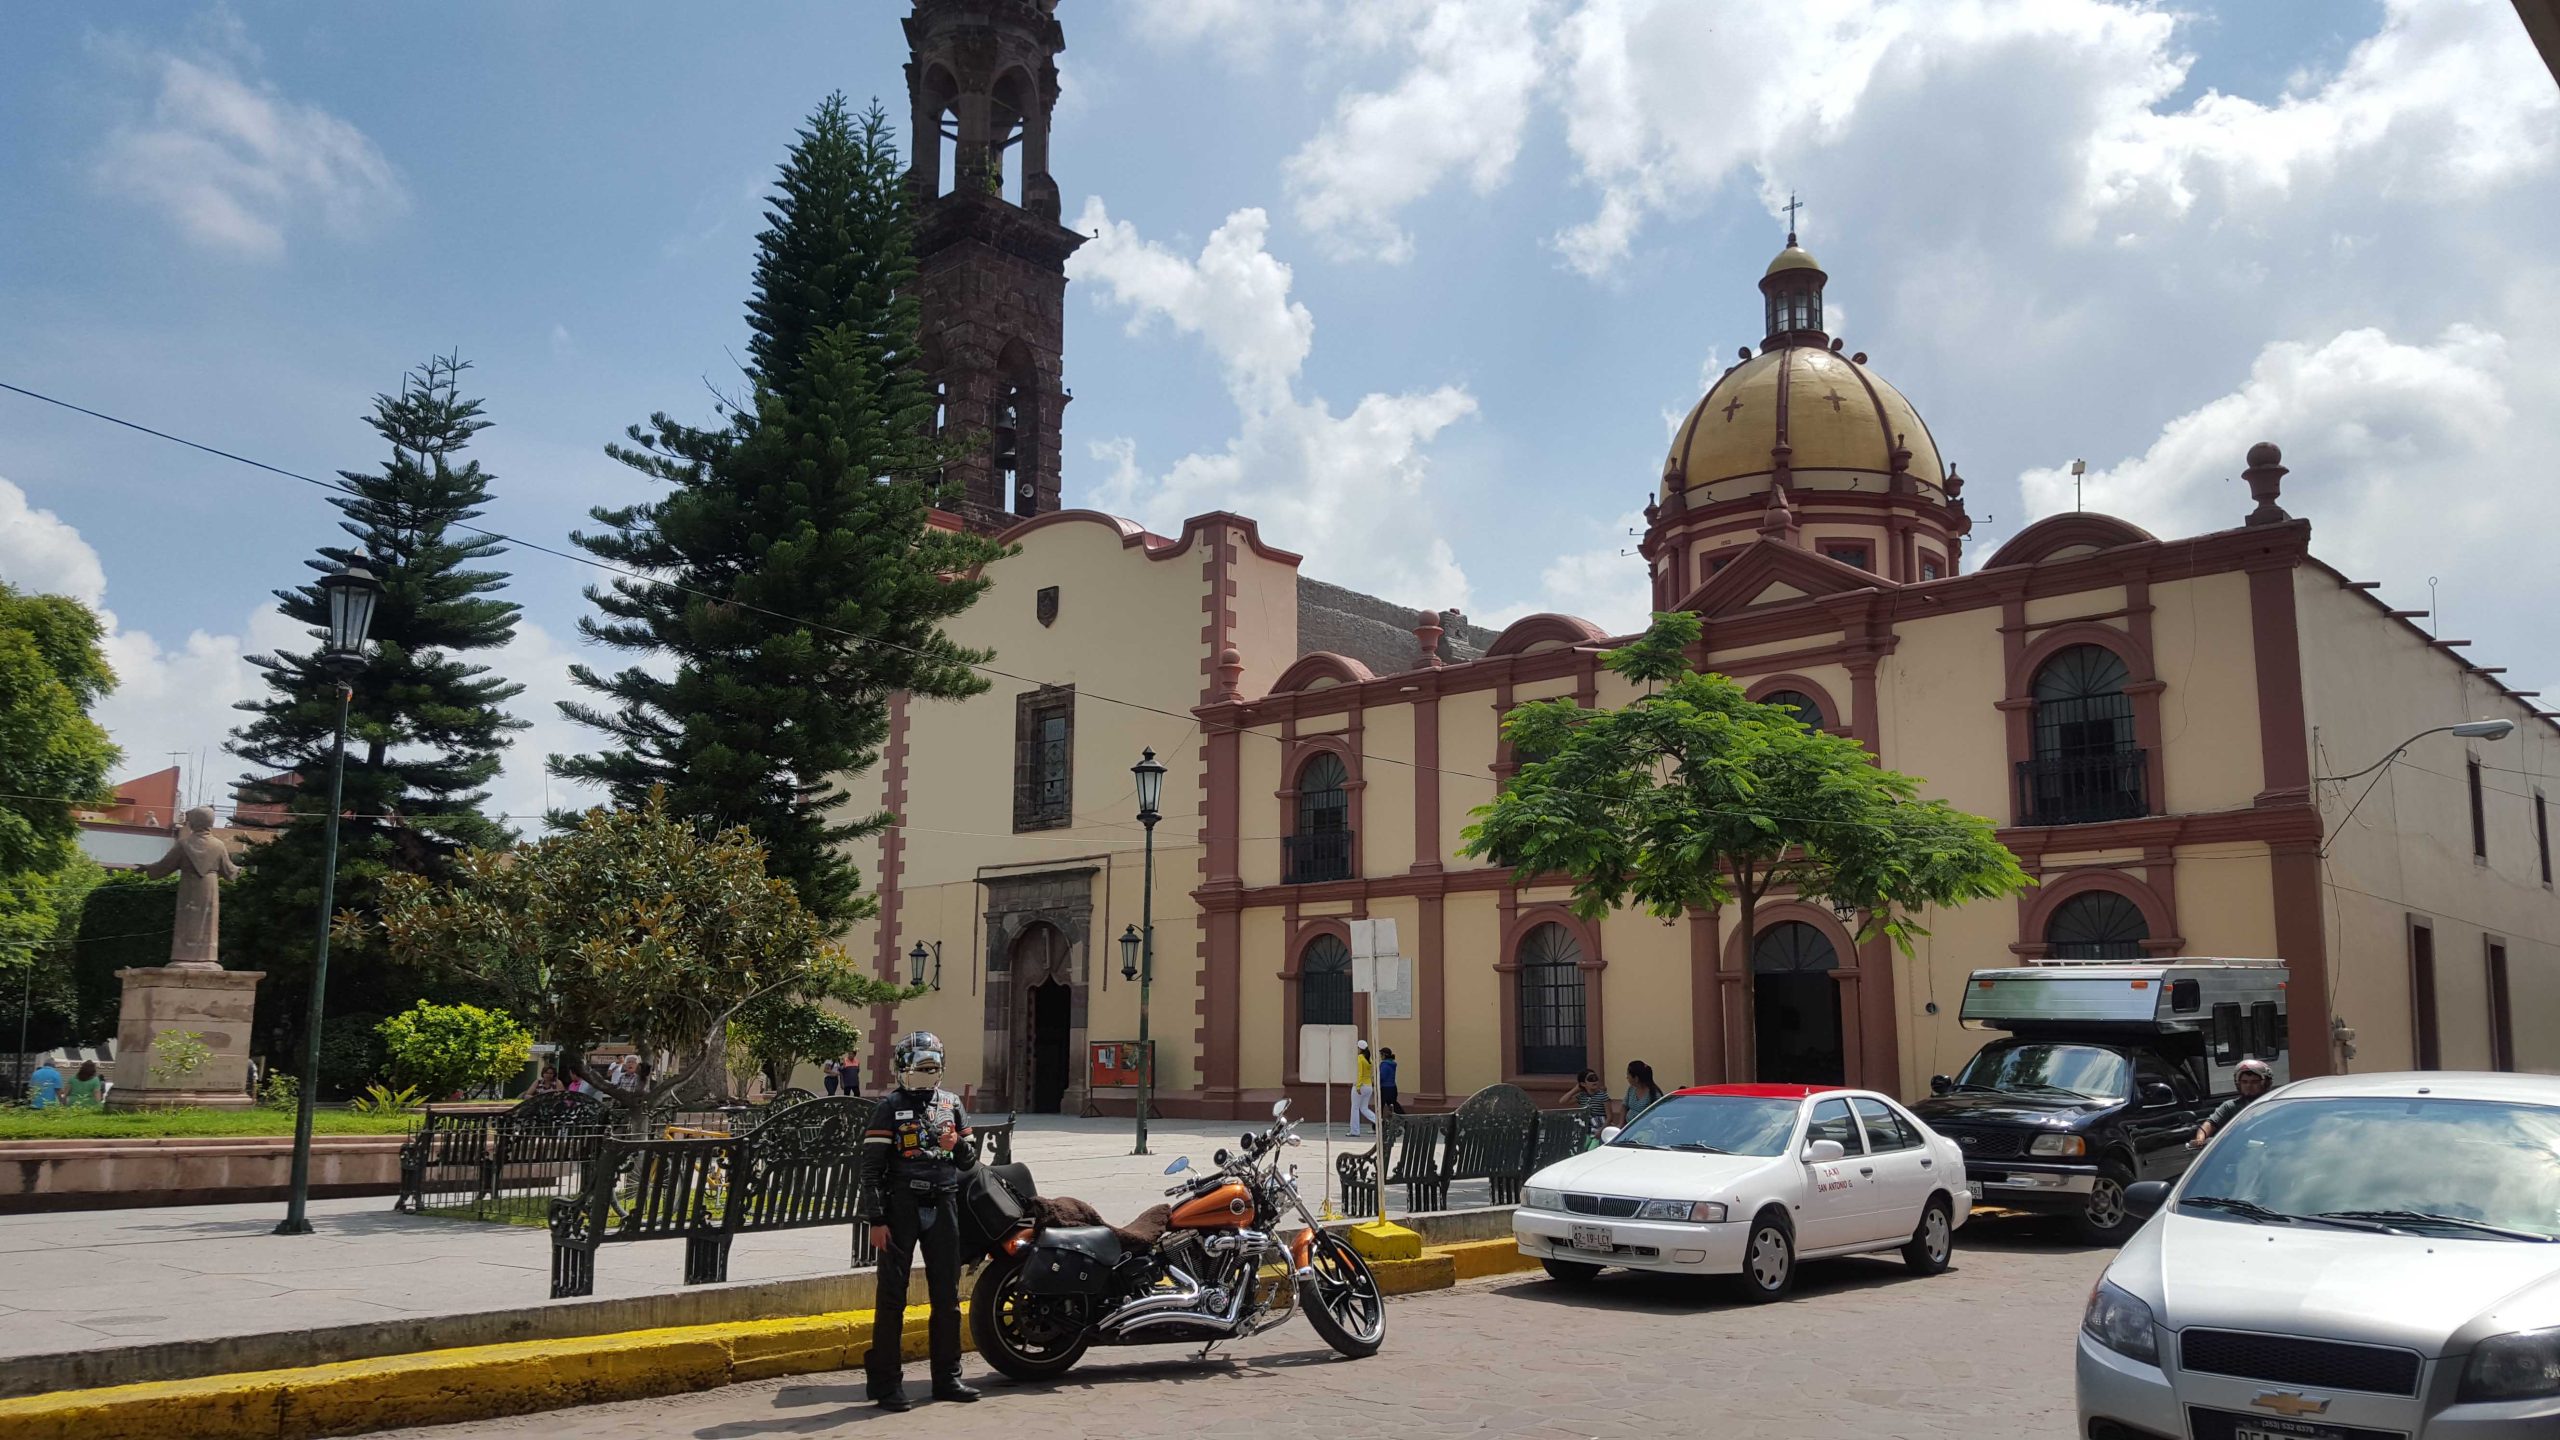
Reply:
x=930, y=1223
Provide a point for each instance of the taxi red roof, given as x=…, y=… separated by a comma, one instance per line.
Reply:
x=1760, y=1092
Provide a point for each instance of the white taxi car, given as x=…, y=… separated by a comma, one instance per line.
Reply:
x=2357, y=1257
x=1748, y=1180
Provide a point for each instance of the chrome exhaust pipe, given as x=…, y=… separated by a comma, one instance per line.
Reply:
x=1234, y=1313
x=1183, y=1299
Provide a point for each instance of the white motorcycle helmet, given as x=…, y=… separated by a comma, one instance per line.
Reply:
x=913, y=1055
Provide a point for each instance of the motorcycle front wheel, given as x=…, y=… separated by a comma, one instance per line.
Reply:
x=1343, y=1302
x=1024, y=1336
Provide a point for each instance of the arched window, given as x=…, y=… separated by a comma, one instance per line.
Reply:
x=1806, y=707
x=2096, y=925
x=1551, y=1014
x=1795, y=307
x=1793, y=948
x=1324, y=982
x=2086, y=766
x=1321, y=848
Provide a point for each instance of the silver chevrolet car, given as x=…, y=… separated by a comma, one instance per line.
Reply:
x=2357, y=1257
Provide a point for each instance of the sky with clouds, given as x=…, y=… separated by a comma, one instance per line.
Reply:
x=1421, y=284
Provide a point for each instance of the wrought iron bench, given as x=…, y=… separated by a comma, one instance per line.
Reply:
x=1494, y=1140
x=1560, y=1134
x=1416, y=1148
x=476, y=1156
x=798, y=1169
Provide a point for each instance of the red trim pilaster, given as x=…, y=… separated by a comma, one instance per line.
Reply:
x=893, y=850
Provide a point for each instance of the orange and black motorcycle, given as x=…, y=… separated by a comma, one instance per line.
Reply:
x=1210, y=1266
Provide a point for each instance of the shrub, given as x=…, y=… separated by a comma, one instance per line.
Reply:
x=383, y=1100
x=176, y=1056
x=281, y=1092
x=445, y=1049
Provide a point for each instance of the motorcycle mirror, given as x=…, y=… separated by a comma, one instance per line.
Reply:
x=1279, y=1108
x=1297, y=1139
x=1180, y=1164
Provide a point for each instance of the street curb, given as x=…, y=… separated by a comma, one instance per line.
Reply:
x=481, y=1382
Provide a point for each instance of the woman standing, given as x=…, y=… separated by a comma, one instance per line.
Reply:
x=827, y=1069
x=1590, y=1095
x=1387, y=1082
x=1642, y=1092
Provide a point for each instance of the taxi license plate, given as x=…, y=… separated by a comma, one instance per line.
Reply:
x=1594, y=1237
x=1974, y=1187
x=2228, y=1425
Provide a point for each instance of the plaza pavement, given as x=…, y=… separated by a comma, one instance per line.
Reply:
x=1864, y=1350
x=83, y=1281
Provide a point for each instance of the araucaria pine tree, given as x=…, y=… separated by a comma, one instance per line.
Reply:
x=804, y=584
x=425, y=728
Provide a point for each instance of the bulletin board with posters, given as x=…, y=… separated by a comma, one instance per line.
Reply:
x=1115, y=1065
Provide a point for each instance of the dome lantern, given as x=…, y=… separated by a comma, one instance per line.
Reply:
x=1792, y=288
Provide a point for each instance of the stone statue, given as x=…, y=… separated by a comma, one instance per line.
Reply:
x=201, y=864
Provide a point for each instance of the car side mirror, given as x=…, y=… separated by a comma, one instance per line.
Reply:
x=1940, y=1084
x=2143, y=1198
x=2158, y=1092
x=1822, y=1152
x=1609, y=1133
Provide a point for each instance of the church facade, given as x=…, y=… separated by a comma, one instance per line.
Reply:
x=2153, y=723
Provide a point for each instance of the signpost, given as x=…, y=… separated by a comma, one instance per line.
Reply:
x=1380, y=973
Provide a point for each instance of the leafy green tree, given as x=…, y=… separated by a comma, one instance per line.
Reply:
x=807, y=586
x=780, y=1038
x=1694, y=797
x=426, y=726
x=454, y=1049
x=53, y=757
x=634, y=926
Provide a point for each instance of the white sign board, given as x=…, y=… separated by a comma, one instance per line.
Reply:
x=1325, y=1054
x=1370, y=938
x=1392, y=996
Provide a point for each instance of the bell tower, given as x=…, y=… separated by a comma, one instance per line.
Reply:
x=982, y=81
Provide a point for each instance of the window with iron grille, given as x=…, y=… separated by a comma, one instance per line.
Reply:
x=2096, y=925
x=1551, y=1012
x=1319, y=848
x=1858, y=555
x=1324, y=982
x=2087, y=767
x=2479, y=812
x=1044, y=744
x=1806, y=707
x=1792, y=947
x=2422, y=995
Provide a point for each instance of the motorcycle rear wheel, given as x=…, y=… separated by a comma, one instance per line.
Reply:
x=1344, y=1302
x=1018, y=1333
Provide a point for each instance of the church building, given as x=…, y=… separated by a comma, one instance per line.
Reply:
x=2178, y=737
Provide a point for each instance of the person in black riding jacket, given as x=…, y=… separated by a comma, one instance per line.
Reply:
x=913, y=1155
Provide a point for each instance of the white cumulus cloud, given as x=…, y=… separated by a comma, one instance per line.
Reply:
x=234, y=164
x=1353, y=491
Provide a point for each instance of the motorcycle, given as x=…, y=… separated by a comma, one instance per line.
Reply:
x=1203, y=1269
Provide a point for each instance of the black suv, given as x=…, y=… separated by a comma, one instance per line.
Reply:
x=2061, y=1125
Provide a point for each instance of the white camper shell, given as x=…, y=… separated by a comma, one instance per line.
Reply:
x=2223, y=1011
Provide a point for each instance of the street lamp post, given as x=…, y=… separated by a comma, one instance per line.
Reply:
x=1150, y=790
x=352, y=594
x=2468, y=730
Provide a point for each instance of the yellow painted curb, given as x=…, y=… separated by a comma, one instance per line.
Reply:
x=1385, y=1240
x=479, y=1382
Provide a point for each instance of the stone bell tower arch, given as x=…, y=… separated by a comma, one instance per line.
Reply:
x=982, y=83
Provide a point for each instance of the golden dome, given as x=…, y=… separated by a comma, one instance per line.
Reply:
x=1794, y=257
x=1840, y=421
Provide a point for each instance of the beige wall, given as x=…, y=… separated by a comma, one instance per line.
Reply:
x=2408, y=850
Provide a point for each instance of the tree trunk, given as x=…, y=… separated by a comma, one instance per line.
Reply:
x=1746, y=1063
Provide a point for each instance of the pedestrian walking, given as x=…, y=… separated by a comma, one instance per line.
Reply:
x=44, y=1088
x=913, y=1155
x=86, y=1088
x=1387, y=1081
x=827, y=1073
x=1642, y=1092
x=1364, y=1089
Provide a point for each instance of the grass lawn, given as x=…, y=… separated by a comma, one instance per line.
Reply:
x=58, y=1123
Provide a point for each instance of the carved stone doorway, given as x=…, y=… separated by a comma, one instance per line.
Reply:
x=1039, y=949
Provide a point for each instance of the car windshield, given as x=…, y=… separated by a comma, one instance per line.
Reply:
x=2418, y=1163
x=2090, y=1072
x=1721, y=1124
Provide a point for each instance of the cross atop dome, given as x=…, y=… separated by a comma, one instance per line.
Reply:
x=1792, y=206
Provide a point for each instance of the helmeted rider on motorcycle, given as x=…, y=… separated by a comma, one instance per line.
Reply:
x=2253, y=1078
x=918, y=1145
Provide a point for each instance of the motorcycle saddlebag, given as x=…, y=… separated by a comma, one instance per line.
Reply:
x=1076, y=1261
x=994, y=1201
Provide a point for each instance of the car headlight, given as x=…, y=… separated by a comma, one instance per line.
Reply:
x=2121, y=1323
x=2521, y=1366
x=1537, y=1199
x=2057, y=1145
x=1702, y=1212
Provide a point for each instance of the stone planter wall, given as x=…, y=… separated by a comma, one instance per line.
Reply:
x=122, y=1173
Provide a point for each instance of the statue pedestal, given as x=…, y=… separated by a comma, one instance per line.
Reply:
x=212, y=1003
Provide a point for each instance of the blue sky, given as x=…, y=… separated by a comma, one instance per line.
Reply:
x=1421, y=283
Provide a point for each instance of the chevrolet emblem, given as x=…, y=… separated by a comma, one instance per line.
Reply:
x=2291, y=1404
x=1968, y=1139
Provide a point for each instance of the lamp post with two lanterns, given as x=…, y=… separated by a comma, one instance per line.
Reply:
x=1138, y=943
x=352, y=593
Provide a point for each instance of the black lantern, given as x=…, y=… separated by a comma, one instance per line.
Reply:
x=1129, y=943
x=352, y=594
x=1843, y=911
x=919, y=955
x=1150, y=788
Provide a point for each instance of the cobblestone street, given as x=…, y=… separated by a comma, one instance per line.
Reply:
x=1863, y=1350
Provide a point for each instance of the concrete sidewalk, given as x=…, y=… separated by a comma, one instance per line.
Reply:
x=89, y=1281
